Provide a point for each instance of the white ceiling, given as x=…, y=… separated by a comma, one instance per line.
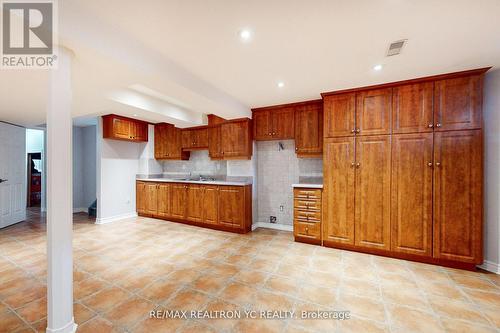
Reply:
x=189, y=52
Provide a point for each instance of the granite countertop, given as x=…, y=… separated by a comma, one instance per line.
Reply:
x=224, y=180
x=309, y=182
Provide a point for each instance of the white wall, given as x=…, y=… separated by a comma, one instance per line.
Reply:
x=77, y=169
x=117, y=167
x=89, y=136
x=491, y=111
x=147, y=163
x=34, y=141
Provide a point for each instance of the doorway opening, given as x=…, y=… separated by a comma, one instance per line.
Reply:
x=35, y=172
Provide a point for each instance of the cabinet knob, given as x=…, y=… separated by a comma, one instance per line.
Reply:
x=438, y=125
x=438, y=164
x=358, y=165
x=274, y=133
x=307, y=228
x=430, y=125
x=429, y=164
x=358, y=130
x=353, y=164
x=270, y=134
x=296, y=148
x=353, y=130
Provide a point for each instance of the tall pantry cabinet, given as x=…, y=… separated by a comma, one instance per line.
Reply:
x=403, y=169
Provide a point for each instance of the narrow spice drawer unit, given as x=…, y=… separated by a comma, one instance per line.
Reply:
x=307, y=215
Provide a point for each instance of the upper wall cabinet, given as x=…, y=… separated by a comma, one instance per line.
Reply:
x=195, y=138
x=276, y=123
x=236, y=139
x=168, y=143
x=458, y=103
x=309, y=130
x=339, y=112
x=122, y=128
x=412, y=108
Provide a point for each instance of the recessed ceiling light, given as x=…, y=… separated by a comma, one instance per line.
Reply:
x=245, y=34
x=135, y=114
x=281, y=84
x=377, y=67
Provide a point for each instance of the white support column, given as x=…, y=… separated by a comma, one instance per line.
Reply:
x=60, y=199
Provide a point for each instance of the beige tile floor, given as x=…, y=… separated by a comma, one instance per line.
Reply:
x=124, y=270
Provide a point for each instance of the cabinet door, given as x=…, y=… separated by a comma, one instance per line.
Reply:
x=122, y=128
x=214, y=142
x=231, y=206
x=151, y=198
x=412, y=108
x=262, y=125
x=164, y=200
x=139, y=131
x=160, y=142
x=373, y=112
x=187, y=138
x=194, y=203
x=309, y=130
x=235, y=139
x=373, y=192
x=283, y=124
x=140, y=197
x=210, y=204
x=458, y=103
x=458, y=196
x=339, y=114
x=178, y=201
x=201, y=138
x=411, y=207
x=338, y=190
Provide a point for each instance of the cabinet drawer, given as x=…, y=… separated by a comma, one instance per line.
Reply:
x=308, y=205
x=307, y=193
x=310, y=230
x=307, y=216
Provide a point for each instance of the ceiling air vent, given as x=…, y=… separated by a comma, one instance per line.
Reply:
x=396, y=47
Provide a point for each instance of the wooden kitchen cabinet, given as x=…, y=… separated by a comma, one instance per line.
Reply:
x=307, y=215
x=195, y=138
x=178, y=198
x=458, y=103
x=210, y=204
x=140, y=197
x=164, y=200
x=339, y=115
x=236, y=139
x=122, y=128
x=411, y=198
x=215, y=142
x=168, y=143
x=151, y=198
x=373, y=192
x=309, y=130
x=412, y=108
x=194, y=210
x=458, y=196
x=338, y=190
x=374, y=112
x=276, y=123
x=231, y=206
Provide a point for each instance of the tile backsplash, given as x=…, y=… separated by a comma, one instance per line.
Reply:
x=277, y=170
x=198, y=163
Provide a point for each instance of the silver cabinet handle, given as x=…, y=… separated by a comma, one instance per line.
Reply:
x=3, y=180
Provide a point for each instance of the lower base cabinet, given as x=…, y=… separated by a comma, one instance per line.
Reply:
x=221, y=207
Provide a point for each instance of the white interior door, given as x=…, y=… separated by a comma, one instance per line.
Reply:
x=12, y=174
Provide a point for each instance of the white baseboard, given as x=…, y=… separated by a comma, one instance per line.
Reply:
x=79, y=210
x=104, y=220
x=490, y=267
x=275, y=226
x=68, y=328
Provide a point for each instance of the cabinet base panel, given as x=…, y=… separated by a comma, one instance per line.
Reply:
x=200, y=224
x=404, y=256
x=307, y=240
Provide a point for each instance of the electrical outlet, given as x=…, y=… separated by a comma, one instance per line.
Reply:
x=281, y=208
x=272, y=219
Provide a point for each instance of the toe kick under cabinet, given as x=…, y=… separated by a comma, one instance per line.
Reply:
x=220, y=207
